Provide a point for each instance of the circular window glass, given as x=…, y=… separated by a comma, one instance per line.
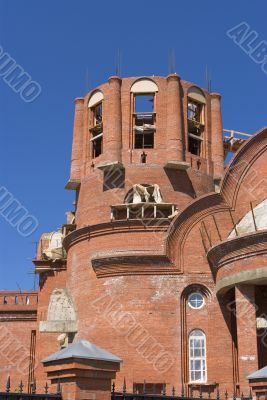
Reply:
x=196, y=300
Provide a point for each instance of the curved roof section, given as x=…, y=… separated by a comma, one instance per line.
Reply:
x=197, y=94
x=96, y=98
x=248, y=222
x=144, y=86
x=241, y=163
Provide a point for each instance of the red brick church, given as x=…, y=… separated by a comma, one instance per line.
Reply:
x=160, y=270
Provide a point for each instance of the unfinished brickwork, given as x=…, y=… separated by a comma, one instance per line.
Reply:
x=150, y=265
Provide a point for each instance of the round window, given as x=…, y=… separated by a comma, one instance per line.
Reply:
x=196, y=300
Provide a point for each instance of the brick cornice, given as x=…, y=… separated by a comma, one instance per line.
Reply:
x=90, y=231
x=139, y=264
x=18, y=315
x=42, y=266
x=244, y=246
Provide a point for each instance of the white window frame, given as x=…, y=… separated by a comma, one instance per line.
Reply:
x=190, y=102
x=190, y=305
x=197, y=344
x=96, y=137
x=96, y=126
x=146, y=128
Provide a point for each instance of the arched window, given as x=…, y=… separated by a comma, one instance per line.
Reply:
x=144, y=116
x=96, y=123
x=197, y=356
x=195, y=117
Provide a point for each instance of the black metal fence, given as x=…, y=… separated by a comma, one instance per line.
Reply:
x=173, y=394
x=17, y=392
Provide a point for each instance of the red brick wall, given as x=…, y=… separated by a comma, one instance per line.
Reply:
x=17, y=321
x=125, y=314
x=15, y=352
x=46, y=343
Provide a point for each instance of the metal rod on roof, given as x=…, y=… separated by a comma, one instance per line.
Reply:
x=172, y=61
x=205, y=229
x=217, y=228
x=118, y=63
x=234, y=225
x=203, y=240
x=87, y=81
x=253, y=216
x=208, y=79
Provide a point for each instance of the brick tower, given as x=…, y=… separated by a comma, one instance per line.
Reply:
x=162, y=262
x=131, y=131
x=131, y=271
x=143, y=148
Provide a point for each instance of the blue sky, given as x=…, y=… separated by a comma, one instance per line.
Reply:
x=67, y=46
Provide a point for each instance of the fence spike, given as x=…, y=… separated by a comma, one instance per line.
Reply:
x=124, y=389
x=34, y=387
x=191, y=391
x=21, y=387
x=46, y=388
x=8, y=385
x=226, y=394
x=164, y=389
x=242, y=396
x=182, y=392
x=200, y=392
x=218, y=394
x=58, y=387
x=173, y=391
x=113, y=387
x=144, y=387
x=209, y=394
x=234, y=395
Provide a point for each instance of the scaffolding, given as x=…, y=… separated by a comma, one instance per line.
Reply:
x=232, y=140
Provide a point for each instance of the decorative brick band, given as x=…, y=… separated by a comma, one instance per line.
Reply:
x=107, y=228
x=116, y=262
x=245, y=246
x=141, y=264
x=227, y=262
x=22, y=315
x=243, y=277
